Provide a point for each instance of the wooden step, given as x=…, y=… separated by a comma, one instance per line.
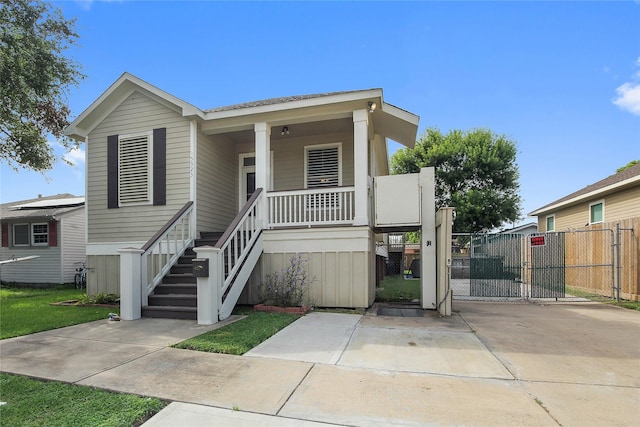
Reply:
x=176, y=288
x=179, y=300
x=170, y=312
x=179, y=278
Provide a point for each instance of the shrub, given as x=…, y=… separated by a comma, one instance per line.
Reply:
x=289, y=286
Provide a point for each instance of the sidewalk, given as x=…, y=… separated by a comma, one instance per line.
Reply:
x=490, y=364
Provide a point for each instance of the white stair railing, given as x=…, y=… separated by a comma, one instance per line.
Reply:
x=231, y=262
x=162, y=251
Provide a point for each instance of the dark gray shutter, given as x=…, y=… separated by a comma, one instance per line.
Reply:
x=160, y=166
x=112, y=171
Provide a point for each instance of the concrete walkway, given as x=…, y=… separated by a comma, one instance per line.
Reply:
x=489, y=364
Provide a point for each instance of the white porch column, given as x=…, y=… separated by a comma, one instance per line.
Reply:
x=130, y=284
x=360, y=166
x=263, y=164
x=208, y=295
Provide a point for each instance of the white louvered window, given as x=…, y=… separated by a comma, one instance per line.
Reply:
x=323, y=166
x=135, y=169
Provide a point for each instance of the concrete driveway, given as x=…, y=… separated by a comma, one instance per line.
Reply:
x=489, y=364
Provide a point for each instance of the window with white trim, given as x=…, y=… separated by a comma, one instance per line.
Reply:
x=323, y=165
x=135, y=174
x=596, y=212
x=551, y=223
x=40, y=234
x=21, y=235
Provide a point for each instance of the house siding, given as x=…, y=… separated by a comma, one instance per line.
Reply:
x=341, y=262
x=72, y=243
x=45, y=269
x=617, y=206
x=288, y=158
x=103, y=274
x=137, y=114
x=216, y=183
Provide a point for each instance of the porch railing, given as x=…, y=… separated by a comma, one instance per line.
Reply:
x=318, y=206
x=162, y=251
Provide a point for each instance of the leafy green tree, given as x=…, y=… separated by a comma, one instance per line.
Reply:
x=628, y=165
x=475, y=172
x=34, y=79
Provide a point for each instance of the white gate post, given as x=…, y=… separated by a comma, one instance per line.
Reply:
x=130, y=284
x=428, y=237
x=208, y=287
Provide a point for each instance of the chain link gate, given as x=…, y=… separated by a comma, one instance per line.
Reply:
x=496, y=265
x=539, y=265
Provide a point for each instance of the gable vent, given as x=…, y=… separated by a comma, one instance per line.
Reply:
x=135, y=176
x=323, y=167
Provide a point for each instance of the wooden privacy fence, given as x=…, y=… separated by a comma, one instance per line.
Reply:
x=626, y=259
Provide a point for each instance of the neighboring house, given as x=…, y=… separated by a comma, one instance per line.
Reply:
x=278, y=177
x=51, y=228
x=614, y=198
x=524, y=229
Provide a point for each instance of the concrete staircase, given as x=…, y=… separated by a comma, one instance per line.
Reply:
x=176, y=296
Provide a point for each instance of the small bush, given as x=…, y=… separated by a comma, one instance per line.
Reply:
x=99, y=298
x=289, y=286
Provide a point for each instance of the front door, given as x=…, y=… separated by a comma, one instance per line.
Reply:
x=247, y=177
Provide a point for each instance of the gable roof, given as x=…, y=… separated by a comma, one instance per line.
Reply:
x=390, y=121
x=612, y=183
x=44, y=208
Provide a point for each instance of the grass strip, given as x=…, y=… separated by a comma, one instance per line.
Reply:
x=631, y=305
x=37, y=403
x=398, y=289
x=239, y=337
x=28, y=310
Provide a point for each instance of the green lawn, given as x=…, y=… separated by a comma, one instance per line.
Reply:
x=38, y=403
x=241, y=336
x=398, y=289
x=27, y=310
x=632, y=305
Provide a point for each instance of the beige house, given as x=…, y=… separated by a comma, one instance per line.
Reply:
x=614, y=198
x=600, y=225
x=248, y=186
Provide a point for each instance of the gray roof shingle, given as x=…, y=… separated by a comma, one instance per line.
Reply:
x=8, y=211
x=281, y=100
x=610, y=180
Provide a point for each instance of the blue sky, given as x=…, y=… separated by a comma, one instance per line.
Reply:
x=561, y=79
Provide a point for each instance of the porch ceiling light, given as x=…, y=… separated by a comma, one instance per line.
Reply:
x=285, y=130
x=372, y=107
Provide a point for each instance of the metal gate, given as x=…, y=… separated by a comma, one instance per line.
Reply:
x=539, y=265
x=496, y=265
x=546, y=262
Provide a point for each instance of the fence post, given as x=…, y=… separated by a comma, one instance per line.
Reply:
x=130, y=284
x=208, y=287
x=618, y=262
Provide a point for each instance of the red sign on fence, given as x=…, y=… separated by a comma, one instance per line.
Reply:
x=537, y=241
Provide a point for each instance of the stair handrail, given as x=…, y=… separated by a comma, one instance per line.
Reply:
x=238, y=240
x=166, y=247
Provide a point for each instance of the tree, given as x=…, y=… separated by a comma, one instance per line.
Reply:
x=34, y=79
x=475, y=172
x=628, y=165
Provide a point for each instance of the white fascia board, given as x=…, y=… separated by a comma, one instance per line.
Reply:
x=600, y=192
x=118, y=92
x=365, y=95
x=401, y=114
